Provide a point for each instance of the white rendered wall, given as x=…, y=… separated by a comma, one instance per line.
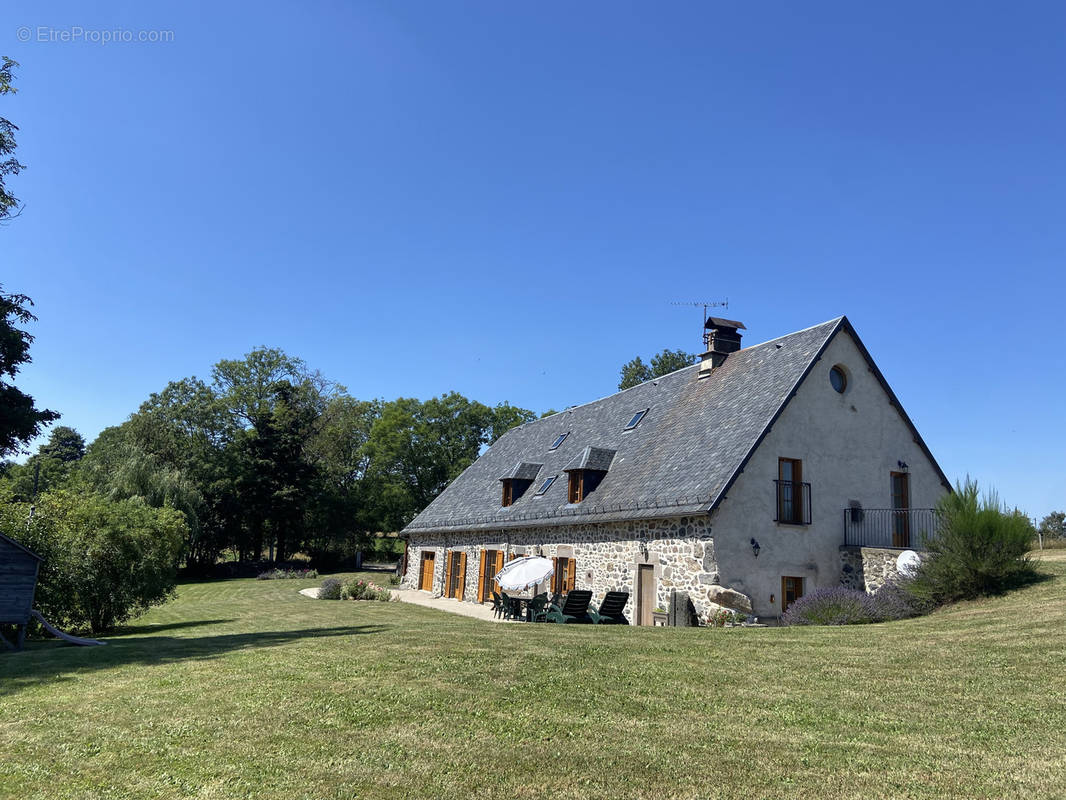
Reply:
x=850, y=444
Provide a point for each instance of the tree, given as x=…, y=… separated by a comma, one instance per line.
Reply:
x=20, y=421
x=636, y=371
x=51, y=467
x=9, y=165
x=64, y=444
x=416, y=449
x=979, y=548
x=103, y=561
x=1053, y=526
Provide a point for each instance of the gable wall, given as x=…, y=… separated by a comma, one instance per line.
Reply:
x=849, y=444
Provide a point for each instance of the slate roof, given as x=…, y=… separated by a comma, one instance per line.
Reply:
x=594, y=458
x=522, y=471
x=679, y=461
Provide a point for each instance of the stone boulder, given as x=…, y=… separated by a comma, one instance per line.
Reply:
x=729, y=598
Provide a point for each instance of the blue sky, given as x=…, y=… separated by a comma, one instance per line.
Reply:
x=504, y=199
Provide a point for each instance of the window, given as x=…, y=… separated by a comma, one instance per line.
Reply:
x=559, y=441
x=563, y=577
x=582, y=483
x=575, y=492
x=635, y=421
x=838, y=378
x=791, y=590
x=793, y=495
x=491, y=563
x=901, y=503
x=513, y=489
x=546, y=485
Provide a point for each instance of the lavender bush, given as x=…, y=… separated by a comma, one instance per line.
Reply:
x=832, y=606
x=365, y=590
x=895, y=600
x=330, y=590
x=283, y=574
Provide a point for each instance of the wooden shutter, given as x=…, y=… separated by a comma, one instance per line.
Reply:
x=497, y=568
x=461, y=589
x=447, y=573
x=481, y=578
x=571, y=569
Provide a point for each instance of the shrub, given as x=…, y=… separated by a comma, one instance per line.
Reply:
x=331, y=589
x=394, y=580
x=104, y=561
x=979, y=548
x=834, y=605
x=725, y=616
x=896, y=600
x=287, y=574
x=359, y=589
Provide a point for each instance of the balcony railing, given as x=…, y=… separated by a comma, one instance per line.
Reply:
x=892, y=528
x=793, y=502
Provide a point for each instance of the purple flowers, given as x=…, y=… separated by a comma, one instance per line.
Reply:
x=839, y=606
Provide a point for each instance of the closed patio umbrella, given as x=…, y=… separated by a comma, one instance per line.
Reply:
x=524, y=572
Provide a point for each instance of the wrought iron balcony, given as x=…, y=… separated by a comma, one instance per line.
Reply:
x=891, y=528
x=793, y=502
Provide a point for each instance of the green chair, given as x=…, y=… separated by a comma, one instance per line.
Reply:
x=611, y=609
x=538, y=608
x=497, y=605
x=574, y=610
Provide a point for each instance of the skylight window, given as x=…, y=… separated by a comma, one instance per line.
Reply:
x=636, y=420
x=559, y=441
x=547, y=484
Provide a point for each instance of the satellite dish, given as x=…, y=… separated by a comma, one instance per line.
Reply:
x=907, y=564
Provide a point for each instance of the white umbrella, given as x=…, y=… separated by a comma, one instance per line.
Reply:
x=524, y=572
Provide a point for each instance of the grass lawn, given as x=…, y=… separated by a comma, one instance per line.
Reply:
x=244, y=688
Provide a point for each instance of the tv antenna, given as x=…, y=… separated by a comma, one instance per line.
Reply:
x=706, y=304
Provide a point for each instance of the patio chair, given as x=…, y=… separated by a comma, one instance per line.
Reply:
x=610, y=610
x=507, y=605
x=574, y=610
x=538, y=608
x=497, y=605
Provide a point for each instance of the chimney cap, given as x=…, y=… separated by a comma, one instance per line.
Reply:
x=718, y=322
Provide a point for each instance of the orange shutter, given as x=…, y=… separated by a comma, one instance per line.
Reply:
x=481, y=578
x=496, y=569
x=571, y=568
x=447, y=573
x=461, y=589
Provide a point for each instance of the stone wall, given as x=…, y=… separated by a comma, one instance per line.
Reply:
x=606, y=556
x=867, y=568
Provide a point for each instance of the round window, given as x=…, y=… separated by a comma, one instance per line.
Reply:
x=838, y=378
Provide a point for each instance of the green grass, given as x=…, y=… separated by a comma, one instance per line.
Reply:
x=246, y=689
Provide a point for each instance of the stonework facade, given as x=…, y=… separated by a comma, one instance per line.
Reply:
x=867, y=568
x=607, y=556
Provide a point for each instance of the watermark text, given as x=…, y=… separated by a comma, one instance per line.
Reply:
x=76, y=34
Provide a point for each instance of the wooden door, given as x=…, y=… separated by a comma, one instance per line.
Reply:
x=791, y=591
x=425, y=578
x=901, y=502
x=645, y=593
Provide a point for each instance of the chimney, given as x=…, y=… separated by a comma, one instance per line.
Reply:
x=721, y=337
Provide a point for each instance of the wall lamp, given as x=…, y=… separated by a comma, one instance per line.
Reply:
x=755, y=547
x=902, y=466
x=644, y=550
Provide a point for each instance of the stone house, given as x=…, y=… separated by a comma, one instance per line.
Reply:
x=745, y=480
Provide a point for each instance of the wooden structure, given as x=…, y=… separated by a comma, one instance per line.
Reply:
x=18, y=582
